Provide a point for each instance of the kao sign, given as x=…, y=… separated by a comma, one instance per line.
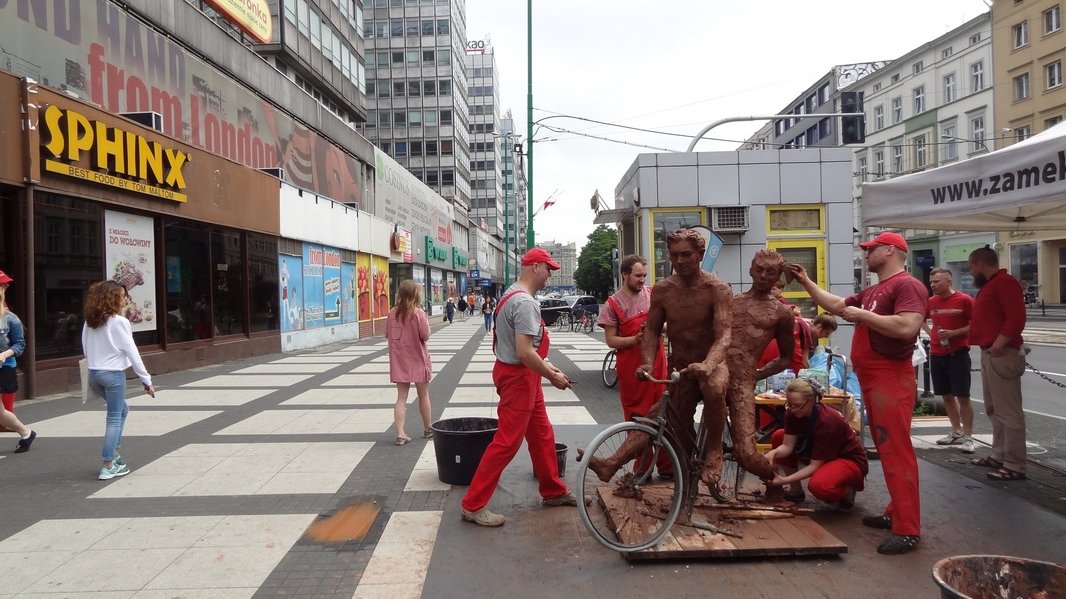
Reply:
x=475, y=47
x=90, y=150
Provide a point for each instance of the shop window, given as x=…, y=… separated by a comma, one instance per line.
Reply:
x=794, y=219
x=1023, y=262
x=263, y=282
x=228, y=286
x=664, y=222
x=62, y=224
x=188, y=281
x=810, y=254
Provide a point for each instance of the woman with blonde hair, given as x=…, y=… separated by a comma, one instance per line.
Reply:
x=107, y=340
x=12, y=344
x=407, y=330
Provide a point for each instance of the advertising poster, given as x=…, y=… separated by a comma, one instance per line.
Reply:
x=436, y=290
x=313, y=312
x=331, y=285
x=348, y=292
x=362, y=285
x=381, y=287
x=130, y=255
x=452, y=290
x=418, y=275
x=98, y=52
x=290, y=289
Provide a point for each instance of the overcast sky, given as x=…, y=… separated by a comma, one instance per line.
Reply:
x=674, y=65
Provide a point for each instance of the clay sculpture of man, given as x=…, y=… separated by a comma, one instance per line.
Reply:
x=757, y=319
x=696, y=307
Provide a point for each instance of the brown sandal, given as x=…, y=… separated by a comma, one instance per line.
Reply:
x=404, y=440
x=1006, y=475
x=987, y=462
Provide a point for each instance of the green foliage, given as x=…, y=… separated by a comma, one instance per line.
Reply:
x=595, y=273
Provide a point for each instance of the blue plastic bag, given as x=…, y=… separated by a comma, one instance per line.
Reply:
x=836, y=377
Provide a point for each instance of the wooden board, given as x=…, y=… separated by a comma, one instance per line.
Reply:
x=784, y=535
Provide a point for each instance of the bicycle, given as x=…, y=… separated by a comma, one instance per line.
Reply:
x=584, y=322
x=562, y=323
x=609, y=371
x=642, y=501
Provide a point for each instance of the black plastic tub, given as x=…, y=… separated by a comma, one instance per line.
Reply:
x=459, y=444
x=998, y=576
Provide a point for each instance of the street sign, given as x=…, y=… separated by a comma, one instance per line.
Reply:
x=475, y=273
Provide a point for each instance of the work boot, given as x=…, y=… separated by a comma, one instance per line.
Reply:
x=567, y=498
x=484, y=517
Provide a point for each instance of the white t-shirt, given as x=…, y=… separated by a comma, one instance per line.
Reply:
x=111, y=347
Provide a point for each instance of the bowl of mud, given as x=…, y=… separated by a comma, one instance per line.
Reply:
x=998, y=576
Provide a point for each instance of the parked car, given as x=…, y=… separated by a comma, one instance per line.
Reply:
x=585, y=303
x=551, y=308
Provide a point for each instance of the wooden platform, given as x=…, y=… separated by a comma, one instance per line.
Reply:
x=749, y=531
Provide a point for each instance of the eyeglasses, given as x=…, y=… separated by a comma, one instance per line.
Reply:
x=796, y=406
x=872, y=249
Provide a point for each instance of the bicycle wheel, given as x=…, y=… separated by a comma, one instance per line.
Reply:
x=587, y=324
x=640, y=512
x=563, y=322
x=608, y=371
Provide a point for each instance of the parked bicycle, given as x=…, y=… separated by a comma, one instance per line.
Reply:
x=563, y=322
x=646, y=509
x=609, y=370
x=584, y=322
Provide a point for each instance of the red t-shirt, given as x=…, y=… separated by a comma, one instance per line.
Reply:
x=998, y=310
x=897, y=294
x=832, y=437
x=951, y=312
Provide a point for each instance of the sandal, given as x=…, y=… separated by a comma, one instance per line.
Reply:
x=987, y=461
x=1006, y=475
x=404, y=440
x=427, y=434
x=897, y=544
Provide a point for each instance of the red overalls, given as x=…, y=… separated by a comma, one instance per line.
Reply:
x=888, y=391
x=521, y=416
x=637, y=396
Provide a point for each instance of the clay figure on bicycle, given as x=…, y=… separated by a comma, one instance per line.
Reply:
x=696, y=306
x=623, y=320
x=758, y=318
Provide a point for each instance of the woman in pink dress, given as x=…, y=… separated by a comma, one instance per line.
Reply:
x=407, y=330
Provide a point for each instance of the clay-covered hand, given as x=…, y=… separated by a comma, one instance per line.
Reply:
x=797, y=272
x=700, y=371
x=644, y=372
x=778, y=481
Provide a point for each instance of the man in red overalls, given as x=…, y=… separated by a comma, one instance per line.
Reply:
x=520, y=341
x=623, y=324
x=887, y=317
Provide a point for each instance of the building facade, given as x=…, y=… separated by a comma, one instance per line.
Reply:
x=932, y=106
x=1028, y=52
x=417, y=92
x=562, y=280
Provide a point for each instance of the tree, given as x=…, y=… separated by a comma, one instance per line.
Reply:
x=595, y=271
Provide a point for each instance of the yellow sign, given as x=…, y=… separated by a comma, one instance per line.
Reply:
x=252, y=16
x=116, y=158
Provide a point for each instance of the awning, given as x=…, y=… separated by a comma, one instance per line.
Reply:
x=615, y=215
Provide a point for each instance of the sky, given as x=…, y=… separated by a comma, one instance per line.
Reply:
x=674, y=66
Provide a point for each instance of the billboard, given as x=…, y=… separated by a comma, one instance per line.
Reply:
x=404, y=199
x=130, y=254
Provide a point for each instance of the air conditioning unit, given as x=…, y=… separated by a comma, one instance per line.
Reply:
x=276, y=172
x=152, y=120
x=729, y=219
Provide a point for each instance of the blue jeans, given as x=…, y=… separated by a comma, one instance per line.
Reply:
x=111, y=384
x=488, y=321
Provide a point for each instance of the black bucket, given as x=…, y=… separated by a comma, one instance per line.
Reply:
x=560, y=455
x=995, y=576
x=459, y=444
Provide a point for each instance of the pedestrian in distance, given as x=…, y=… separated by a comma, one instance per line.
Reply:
x=623, y=321
x=997, y=325
x=407, y=331
x=107, y=340
x=449, y=310
x=887, y=318
x=487, y=307
x=470, y=303
x=521, y=345
x=949, y=355
x=12, y=344
x=462, y=306
x=816, y=445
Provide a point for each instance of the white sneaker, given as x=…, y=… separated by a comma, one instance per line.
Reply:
x=949, y=439
x=967, y=445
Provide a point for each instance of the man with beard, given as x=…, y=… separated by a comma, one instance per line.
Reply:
x=998, y=321
x=887, y=317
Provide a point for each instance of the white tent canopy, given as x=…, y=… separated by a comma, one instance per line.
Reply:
x=1021, y=187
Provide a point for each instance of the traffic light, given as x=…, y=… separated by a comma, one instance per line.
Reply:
x=852, y=128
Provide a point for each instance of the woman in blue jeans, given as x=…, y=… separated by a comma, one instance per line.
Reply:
x=107, y=340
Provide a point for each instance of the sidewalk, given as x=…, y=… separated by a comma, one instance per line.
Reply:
x=231, y=463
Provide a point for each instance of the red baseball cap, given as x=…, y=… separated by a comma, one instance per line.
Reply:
x=4, y=279
x=538, y=256
x=887, y=238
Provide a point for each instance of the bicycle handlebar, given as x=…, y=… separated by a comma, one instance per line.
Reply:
x=673, y=378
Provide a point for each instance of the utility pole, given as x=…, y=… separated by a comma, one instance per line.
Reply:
x=529, y=125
